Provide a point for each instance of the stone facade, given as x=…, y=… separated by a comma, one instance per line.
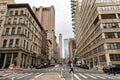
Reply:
x=22, y=38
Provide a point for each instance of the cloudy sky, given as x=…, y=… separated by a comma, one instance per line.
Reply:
x=63, y=14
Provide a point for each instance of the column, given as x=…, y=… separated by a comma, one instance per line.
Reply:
x=11, y=62
x=98, y=61
x=26, y=61
x=23, y=61
x=19, y=59
x=107, y=58
x=93, y=62
x=4, y=60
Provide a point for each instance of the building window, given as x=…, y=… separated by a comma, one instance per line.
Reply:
x=11, y=13
x=7, y=31
x=17, y=43
x=13, y=31
x=24, y=44
x=102, y=58
x=19, y=30
x=114, y=57
x=4, y=43
x=110, y=25
x=21, y=12
x=15, y=21
x=118, y=34
x=28, y=34
x=11, y=43
x=108, y=16
x=16, y=12
x=21, y=20
x=109, y=35
x=113, y=45
x=9, y=21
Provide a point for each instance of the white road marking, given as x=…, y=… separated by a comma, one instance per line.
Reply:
x=107, y=76
x=83, y=75
x=39, y=75
x=76, y=77
x=97, y=75
x=24, y=76
x=91, y=76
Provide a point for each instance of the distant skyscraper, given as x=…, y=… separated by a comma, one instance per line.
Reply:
x=60, y=47
x=66, y=48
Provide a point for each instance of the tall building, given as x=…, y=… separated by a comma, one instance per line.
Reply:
x=66, y=48
x=97, y=32
x=22, y=38
x=60, y=48
x=46, y=16
x=74, y=5
x=72, y=48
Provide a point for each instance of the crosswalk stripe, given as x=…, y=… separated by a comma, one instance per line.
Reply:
x=91, y=76
x=98, y=76
x=107, y=76
x=24, y=76
x=76, y=76
x=83, y=75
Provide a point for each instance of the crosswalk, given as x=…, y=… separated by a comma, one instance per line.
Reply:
x=17, y=76
x=64, y=69
x=75, y=76
x=90, y=76
x=63, y=73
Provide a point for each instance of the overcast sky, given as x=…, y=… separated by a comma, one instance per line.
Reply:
x=63, y=22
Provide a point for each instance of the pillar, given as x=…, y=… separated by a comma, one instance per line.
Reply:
x=19, y=59
x=4, y=60
x=107, y=58
x=23, y=61
x=11, y=62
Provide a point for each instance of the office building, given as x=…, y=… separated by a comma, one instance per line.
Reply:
x=97, y=32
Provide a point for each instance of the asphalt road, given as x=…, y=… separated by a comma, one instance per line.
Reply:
x=62, y=72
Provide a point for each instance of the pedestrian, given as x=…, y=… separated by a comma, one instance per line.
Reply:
x=71, y=68
x=110, y=69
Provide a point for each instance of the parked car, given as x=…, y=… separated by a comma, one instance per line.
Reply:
x=84, y=66
x=116, y=68
x=40, y=66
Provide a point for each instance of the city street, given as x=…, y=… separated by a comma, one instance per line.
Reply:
x=57, y=73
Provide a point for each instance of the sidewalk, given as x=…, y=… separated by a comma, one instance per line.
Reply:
x=48, y=76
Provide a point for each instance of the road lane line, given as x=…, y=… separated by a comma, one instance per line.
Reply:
x=24, y=76
x=83, y=75
x=76, y=77
x=61, y=78
x=39, y=75
x=91, y=76
x=107, y=76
